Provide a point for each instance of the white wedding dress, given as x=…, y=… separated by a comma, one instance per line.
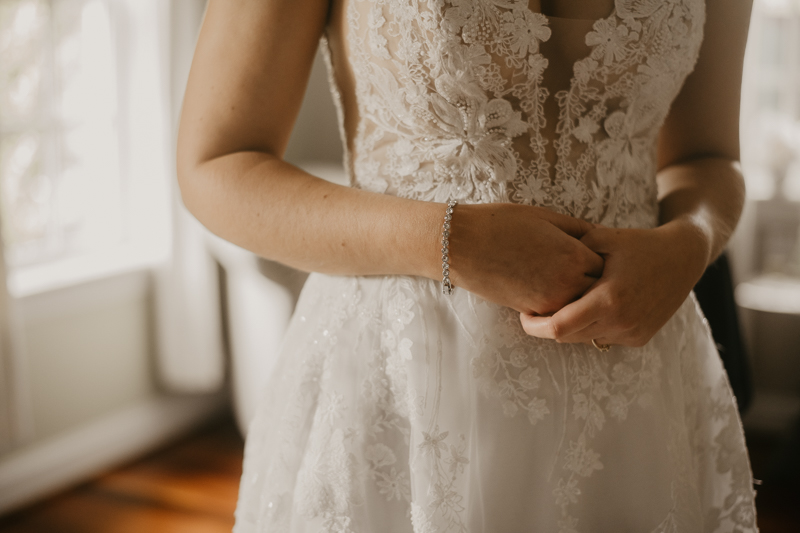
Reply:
x=395, y=408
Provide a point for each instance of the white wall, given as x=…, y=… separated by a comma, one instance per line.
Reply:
x=88, y=350
x=315, y=136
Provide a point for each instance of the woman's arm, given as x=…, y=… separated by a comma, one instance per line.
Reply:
x=245, y=89
x=246, y=85
x=699, y=182
x=649, y=273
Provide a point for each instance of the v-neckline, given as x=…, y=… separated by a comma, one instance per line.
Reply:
x=553, y=174
x=593, y=21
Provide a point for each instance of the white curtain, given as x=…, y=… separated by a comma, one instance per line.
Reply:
x=190, y=344
x=6, y=383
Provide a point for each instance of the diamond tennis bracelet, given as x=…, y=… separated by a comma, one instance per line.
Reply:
x=447, y=286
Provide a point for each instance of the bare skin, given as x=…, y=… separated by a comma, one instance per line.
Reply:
x=649, y=273
x=248, y=76
x=245, y=88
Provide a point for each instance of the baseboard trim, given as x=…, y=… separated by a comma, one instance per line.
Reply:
x=41, y=469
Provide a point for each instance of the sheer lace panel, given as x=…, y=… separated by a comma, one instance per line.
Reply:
x=488, y=100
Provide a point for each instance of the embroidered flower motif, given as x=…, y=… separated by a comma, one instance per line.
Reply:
x=531, y=191
x=586, y=128
x=482, y=365
x=336, y=524
x=525, y=32
x=445, y=497
x=332, y=406
x=457, y=16
x=409, y=50
x=581, y=459
x=618, y=407
x=433, y=443
x=394, y=485
x=482, y=22
x=402, y=158
x=519, y=358
x=566, y=492
x=622, y=373
x=476, y=54
x=377, y=41
x=583, y=70
x=580, y=406
x=324, y=484
x=621, y=155
x=457, y=459
x=473, y=147
x=420, y=520
x=537, y=64
x=537, y=410
x=529, y=378
x=610, y=40
x=573, y=192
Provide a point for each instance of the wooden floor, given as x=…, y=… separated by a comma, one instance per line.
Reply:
x=191, y=486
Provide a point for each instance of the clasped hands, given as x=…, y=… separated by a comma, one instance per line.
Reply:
x=573, y=281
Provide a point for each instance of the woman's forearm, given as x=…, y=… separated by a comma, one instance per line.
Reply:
x=245, y=88
x=702, y=199
x=280, y=212
x=523, y=257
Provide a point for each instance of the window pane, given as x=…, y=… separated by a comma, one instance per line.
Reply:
x=59, y=162
x=26, y=189
x=23, y=70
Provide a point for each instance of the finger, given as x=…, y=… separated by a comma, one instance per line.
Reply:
x=595, y=265
x=599, y=240
x=595, y=331
x=571, y=319
x=572, y=226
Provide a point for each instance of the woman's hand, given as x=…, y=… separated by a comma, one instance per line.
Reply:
x=523, y=257
x=648, y=274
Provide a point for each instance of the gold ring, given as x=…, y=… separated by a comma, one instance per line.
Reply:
x=601, y=347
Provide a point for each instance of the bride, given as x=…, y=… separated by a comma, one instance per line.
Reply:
x=498, y=334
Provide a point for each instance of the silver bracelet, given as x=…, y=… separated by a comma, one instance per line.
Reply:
x=447, y=286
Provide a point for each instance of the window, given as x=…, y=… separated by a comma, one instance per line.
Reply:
x=83, y=137
x=59, y=153
x=771, y=101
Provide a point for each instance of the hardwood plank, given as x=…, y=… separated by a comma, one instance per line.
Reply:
x=90, y=510
x=190, y=486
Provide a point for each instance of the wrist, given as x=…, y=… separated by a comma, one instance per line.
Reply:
x=689, y=242
x=426, y=253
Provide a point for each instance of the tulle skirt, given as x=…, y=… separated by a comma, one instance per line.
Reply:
x=394, y=408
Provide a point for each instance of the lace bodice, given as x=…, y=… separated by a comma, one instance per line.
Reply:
x=452, y=96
